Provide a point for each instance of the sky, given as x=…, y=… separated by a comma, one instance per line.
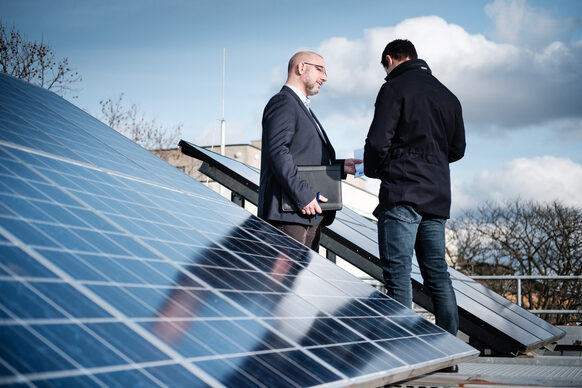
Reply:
x=513, y=64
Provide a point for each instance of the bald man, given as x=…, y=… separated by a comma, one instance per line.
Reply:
x=292, y=136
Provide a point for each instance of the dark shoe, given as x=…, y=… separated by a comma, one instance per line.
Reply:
x=449, y=369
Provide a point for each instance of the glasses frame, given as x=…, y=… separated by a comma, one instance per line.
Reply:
x=319, y=68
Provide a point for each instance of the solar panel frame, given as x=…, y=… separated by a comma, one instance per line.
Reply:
x=117, y=269
x=491, y=321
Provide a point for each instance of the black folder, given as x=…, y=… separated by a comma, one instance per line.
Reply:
x=325, y=180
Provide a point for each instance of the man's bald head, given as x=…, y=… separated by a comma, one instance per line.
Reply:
x=300, y=57
x=306, y=71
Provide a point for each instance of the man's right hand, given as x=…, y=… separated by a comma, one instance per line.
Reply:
x=350, y=165
x=313, y=208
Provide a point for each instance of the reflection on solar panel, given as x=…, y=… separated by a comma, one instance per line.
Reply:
x=491, y=321
x=116, y=269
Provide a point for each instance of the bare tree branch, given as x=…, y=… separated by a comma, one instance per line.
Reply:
x=35, y=62
x=134, y=125
x=523, y=238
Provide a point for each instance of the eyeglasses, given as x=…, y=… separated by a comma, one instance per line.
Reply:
x=318, y=67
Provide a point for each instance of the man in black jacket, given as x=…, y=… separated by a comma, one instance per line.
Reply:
x=416, y=132
x=292, y=136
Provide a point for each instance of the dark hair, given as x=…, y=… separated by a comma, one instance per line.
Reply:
x=398, y=49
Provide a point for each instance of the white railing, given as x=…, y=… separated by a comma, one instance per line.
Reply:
x=519, y=278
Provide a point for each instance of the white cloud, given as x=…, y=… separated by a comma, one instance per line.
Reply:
x=277, y=77
x=516, y=22
x=500, y=85
x=542, y=179
x=347, y=132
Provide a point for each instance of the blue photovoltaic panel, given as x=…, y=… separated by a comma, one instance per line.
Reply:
x=117, y=269
x=490, y=320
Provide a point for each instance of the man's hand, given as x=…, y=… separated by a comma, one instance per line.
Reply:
x=313, y=207
x=350, y=165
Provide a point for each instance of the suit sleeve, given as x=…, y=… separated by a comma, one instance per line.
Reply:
x=341, y=162
x=279, y=123
x=381, y=132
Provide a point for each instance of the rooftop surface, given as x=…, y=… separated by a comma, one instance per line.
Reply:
x=526, y=371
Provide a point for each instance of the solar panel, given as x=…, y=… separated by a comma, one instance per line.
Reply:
x=492, y=322
x=117, y=269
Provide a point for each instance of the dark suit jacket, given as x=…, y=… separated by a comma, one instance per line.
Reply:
x=290, y=139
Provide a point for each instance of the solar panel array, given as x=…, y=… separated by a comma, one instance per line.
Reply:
x=492, y=321
x=117, y=269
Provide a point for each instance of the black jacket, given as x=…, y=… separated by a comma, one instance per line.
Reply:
x=290, y=138
x=416, y=132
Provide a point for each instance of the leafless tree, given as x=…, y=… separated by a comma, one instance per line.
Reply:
x=35, y=62
x=134, y=125
x=523, y=238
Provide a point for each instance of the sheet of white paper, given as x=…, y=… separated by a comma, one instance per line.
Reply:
x=359, y=154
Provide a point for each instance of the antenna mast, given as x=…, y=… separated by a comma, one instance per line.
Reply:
x=223, y=121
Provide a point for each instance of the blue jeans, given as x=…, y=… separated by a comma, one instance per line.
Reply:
x=402, y=230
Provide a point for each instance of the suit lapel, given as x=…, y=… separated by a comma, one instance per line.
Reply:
x=316, y=124
x=324, y=137
x=318, y=127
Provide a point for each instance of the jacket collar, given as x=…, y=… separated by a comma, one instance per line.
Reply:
x=413, y=64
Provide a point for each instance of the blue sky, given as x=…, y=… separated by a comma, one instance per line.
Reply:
x=514, y=64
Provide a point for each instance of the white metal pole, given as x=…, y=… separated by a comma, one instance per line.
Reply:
x=223, y=121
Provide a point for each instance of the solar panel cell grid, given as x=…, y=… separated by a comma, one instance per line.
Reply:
x=118, y=270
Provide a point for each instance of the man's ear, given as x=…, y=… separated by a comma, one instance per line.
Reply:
x=389, y=60
x=300, y=68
